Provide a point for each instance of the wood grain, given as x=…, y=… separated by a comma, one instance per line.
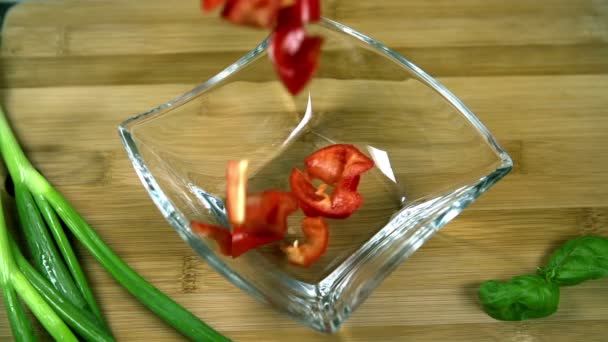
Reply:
x=536, y=73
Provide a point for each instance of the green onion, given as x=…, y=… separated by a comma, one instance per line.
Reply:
x=68, y=254
x=83, y=322
x=23, y=172
x=11, y=276
x=180, y=318
x=45, y=255
x=20, y=323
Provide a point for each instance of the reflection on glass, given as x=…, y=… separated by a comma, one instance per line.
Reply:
x=305, y=120
x=382, y=161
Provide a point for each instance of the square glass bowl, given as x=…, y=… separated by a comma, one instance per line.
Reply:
x=433, y=157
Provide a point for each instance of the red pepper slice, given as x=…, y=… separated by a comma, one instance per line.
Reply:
x=243, y=241
x=294, y=54
x=339, y=166
x=232, y=243
x=334, y=163
x=298, y=13
x=263, y=13
x=317, y=236
x=295, y=57
x=236, y=242
x=220, y=234
x=266, y=222
x=342, y=203
x=256, y=219
x=267, y=212
x=210, y=5
x=255, y=13
x=309, y=10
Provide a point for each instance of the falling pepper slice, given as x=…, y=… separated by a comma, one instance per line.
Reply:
x=316, y=234
x=255, y=13
x=295, y=54
x=210, y=5
x=264, y=13
x=308, y=11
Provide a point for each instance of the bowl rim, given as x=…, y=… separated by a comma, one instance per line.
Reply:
x=324, y=287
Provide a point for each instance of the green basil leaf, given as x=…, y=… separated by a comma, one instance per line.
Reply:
x=578, y=260
x=523, y=297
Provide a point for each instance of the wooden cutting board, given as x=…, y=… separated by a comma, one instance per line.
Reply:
x=535, y=72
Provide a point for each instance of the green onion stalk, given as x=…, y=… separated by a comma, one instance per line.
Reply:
x=13, y=281
x=81, y=321
x=55, y=277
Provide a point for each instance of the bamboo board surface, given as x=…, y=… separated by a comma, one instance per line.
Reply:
x=535, y=72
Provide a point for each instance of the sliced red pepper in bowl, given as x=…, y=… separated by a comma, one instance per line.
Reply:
x=267, y=212
x=342, y=203
x=338, y=166
x=261, y=218
x=316, y=234
x=244, y=241
x=334, y=163
x=220, y=234
x=236, y=242
x=256, y=219
x=266, y=220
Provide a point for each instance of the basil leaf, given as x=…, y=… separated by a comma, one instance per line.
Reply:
x=523, y=297
x=578, y=260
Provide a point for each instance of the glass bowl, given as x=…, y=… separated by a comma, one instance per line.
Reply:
x=433, y=158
